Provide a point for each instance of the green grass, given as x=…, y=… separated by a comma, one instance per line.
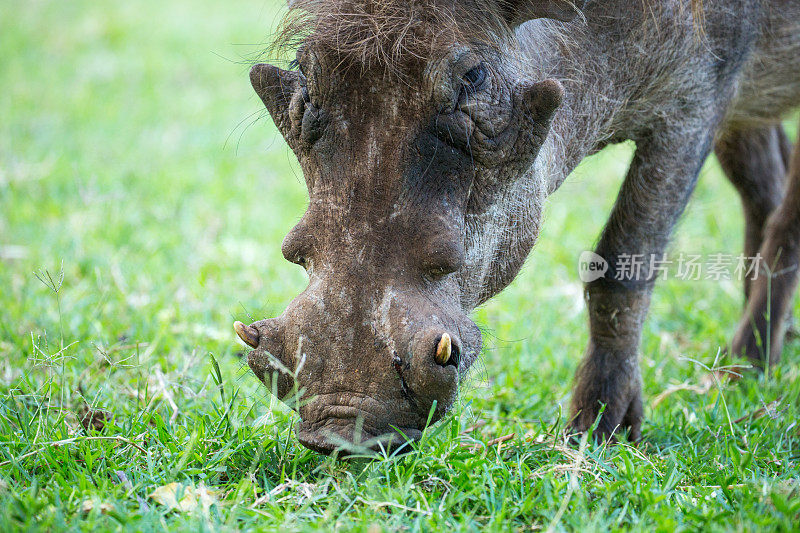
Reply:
x=129, y=167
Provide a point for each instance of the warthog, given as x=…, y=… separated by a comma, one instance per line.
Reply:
x=430, y=133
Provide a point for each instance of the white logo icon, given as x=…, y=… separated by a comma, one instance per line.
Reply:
x=591, y=267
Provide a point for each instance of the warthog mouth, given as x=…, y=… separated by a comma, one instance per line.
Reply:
x=348, y=436
x=354, y=426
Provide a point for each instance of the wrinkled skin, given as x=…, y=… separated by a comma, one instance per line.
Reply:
x=426, y=190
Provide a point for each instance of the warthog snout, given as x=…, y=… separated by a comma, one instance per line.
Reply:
x=371, y=377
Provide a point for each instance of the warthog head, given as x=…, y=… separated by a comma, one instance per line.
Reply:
x=414, y=131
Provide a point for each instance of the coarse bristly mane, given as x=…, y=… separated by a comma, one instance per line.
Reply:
x=387, y=33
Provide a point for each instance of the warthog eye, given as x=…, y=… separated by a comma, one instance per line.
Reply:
x=472, y=81
x=474, y=78
x=437, y=272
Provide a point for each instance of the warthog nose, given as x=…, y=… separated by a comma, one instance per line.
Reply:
x=446, y=351
x=248, y=334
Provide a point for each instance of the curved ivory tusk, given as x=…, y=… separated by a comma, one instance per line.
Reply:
x=248, y=334
x=444, y=349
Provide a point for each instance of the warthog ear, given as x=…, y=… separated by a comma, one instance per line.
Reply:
x=518, y=11
x=538, y=102
x=541, y=99
x=275, y=87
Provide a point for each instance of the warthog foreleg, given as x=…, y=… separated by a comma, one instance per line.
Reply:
x=658, y=185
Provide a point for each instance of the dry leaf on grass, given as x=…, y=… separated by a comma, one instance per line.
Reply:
x=190, y=497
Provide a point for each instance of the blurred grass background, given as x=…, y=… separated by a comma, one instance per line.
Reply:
x=134, y=154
